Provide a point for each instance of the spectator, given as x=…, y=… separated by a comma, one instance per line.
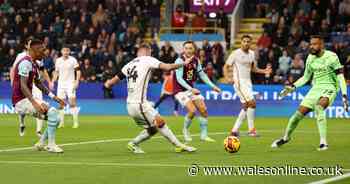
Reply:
x=199, y=22
x=109, y=71
x=264, y=41
x=99, y=17
x=284, y=63
x=165, y=52
x=88, y=72
x=179, y=19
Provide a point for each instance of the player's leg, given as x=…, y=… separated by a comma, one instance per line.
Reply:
x=322, y=122
x=163, y=96
x=176, y=105
x=61, y=93
x=39, y=122
x=144, y=135
x=53, y=120
x=241, y=116
x=203, y=118
x=73, y=107
x=184, y=99
x=22, y=125
x=251, y=118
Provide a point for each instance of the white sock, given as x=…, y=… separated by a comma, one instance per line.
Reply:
x=251, y=118
x=21, y=119
x=167, y=133
x=61, y=116
x=39, y=124
x=239, y=120
x=323, y=141
x=144, y=135
x=74, y=111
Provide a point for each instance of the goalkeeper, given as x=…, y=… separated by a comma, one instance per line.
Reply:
x=324, y=68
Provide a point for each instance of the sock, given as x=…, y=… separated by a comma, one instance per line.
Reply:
x=321, y=123
x=74, y=111
x=161, y=99
x=52, y=122
x=239, y=120
x=44, y=137
x=187, y=122
x=61, y=112
x=21, y=120
x=203, y=122
x=144, y=135
x=39, y=124
x=292, y=124
x=168, y=134
x=251, y=118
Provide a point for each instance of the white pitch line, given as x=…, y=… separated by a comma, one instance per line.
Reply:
x=332, y=179
x=156, y=137
x=95, y=164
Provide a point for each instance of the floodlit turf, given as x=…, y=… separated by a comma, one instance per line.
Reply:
x=111, y=162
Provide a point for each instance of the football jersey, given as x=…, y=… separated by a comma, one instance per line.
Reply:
x=138, y=73
x=189, y=73
x=241, y=63
x=66, y=71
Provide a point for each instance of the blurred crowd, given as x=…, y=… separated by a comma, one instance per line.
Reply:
x=105, y=34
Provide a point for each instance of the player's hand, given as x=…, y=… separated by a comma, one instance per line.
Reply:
x=195, y=91
x=287, y=89
x=41, y=108
x=345, y=103
x=107, y=84
x=188, y=60
x=215, y=88
x=60, y=101
x=268, y=71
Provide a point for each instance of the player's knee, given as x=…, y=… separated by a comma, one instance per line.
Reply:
x=252, y=104
x=191, y=113
x=152, y=130
x=159, y=122
x=204, y=112
x=245, y=106
x=53, y=117
x=323, y=102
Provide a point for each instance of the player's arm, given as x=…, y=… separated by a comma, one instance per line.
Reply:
x=229, y=63
x=174, y=66
x=77, y=73
x=299, y=83
x=206, y=79
x=39, y=84
x=116, y=79
x=339, y=71
x=54, y=76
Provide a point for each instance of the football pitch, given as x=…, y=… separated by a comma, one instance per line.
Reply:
x=96, y=153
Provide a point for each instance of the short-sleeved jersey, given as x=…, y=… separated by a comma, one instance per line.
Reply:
x=138, y=73
x=189, y=73
x=322, y=69
x=25, y=68
x=66, y=71
x=242, y=64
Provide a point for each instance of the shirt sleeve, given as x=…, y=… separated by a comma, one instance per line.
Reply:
x=76, y=64
x=307, y=75
x=179, y=75
x=335, y=63
x=204, y=76
x=154, y=63
x=24, y=68
x=231, y=59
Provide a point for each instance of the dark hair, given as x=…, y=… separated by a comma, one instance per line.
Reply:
x=189, y=42
x=65, y=46
x=246, y=36
x=316, y=37
x=145, y=46
x=35, y=41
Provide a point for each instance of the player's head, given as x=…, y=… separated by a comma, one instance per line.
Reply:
x=316, y=44
x=144, y=50
x=189, y=48
x=36, y=49
x=27, y=43
x=65, y=51
x=246, y=41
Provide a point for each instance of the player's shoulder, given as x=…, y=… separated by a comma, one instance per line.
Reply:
x=25, y=63
x=329, y=53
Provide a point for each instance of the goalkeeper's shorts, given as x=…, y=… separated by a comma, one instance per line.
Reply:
x=313, y=96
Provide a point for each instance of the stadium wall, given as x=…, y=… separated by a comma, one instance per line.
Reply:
x=90, y=101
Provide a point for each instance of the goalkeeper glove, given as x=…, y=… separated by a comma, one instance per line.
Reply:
x=345, y=103
x=287, y=89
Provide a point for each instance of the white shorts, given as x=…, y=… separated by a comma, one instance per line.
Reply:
x=186, y=96
x=26, y=107
x=144, y=114
x=244, y=91
x=64, y=93
x=37, y=94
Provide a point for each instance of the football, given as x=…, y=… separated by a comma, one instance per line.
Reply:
x=232, y=144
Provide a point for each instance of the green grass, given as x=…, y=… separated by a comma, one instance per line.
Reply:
x=112, y=163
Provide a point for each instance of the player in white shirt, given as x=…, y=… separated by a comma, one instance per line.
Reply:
x=67, y=71
x=35, y=92
x=138, y=73
x=243, y=62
